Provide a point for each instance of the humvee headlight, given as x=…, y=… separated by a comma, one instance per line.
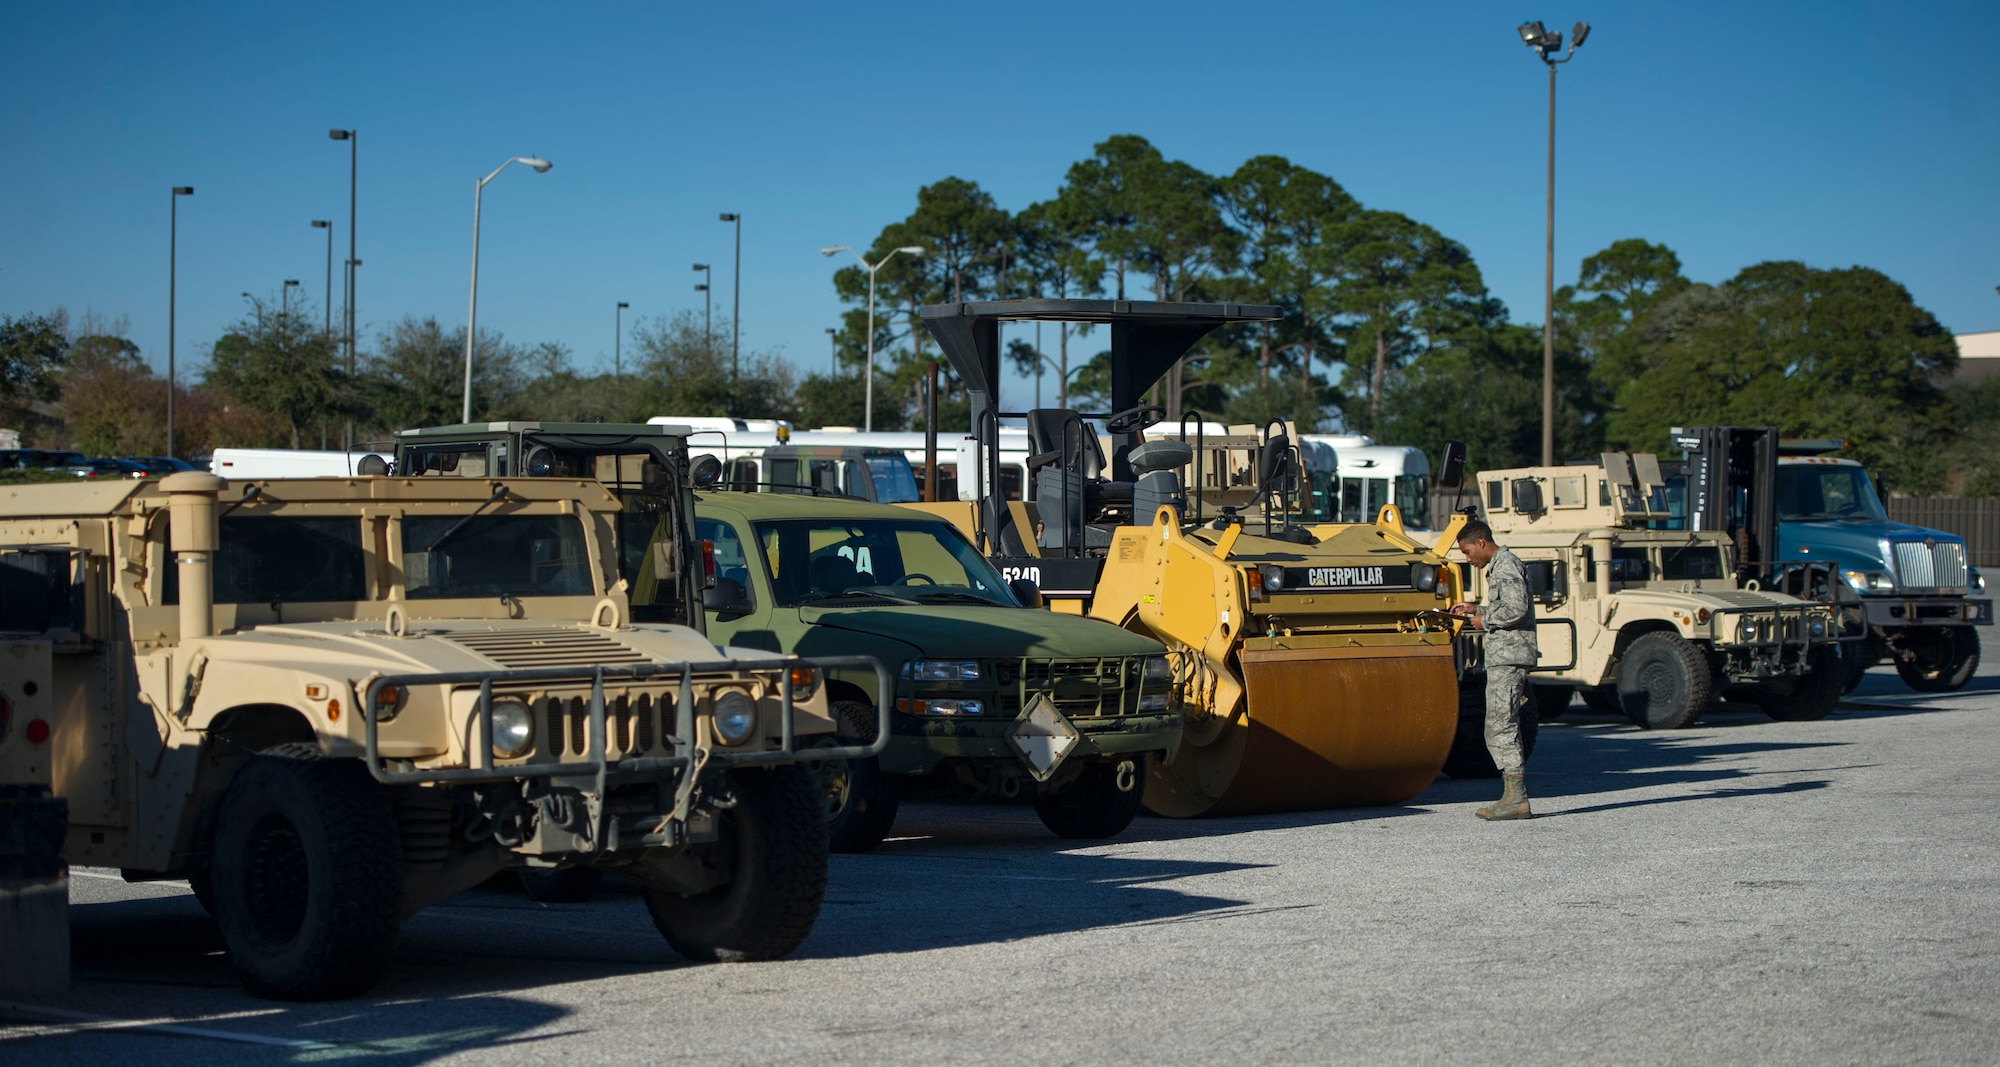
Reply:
x=513, y=729
x=389, y=701
x=1816, y=626
x=735, y=716
x=1424, y=576
x=942, y=670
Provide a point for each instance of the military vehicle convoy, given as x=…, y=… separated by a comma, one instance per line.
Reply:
x=1314, y=662
x=1651, y=623
x=991, y=700
x=331, y=702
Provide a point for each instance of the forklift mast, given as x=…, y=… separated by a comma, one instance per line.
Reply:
x=1732, y=486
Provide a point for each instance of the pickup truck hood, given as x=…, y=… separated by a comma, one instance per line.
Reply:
x=972, y=632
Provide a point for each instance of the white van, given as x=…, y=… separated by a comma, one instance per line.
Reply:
x=296, y=463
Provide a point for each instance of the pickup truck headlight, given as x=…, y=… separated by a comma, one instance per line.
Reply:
x=735, y=716
x=942, y=670
x=942, y=707
x=1869, y=581
x=513, y=729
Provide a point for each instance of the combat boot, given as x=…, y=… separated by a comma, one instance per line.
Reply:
x=1513, y=802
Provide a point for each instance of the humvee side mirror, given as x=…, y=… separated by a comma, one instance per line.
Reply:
x=707, y=471
x=1451, y=465
x=372, y=464
x=725, y=596
x=1026, y=591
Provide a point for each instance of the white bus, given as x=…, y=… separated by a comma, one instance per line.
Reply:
x=1372, y=475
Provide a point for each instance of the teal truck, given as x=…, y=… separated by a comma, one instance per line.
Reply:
x=992, y=699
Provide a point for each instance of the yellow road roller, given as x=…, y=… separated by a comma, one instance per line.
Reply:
x=1313, y=660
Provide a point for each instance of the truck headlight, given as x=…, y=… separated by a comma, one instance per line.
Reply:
x=1272, y=575
x=1156, y=677
x=1816, y=626
x=513, y=729
x=1978, y=582
x=1424, y=577
x=942, y=670
x=1869, y=581
x=735, y=716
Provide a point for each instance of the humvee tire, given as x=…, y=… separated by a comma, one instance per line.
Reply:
x=1663, y=681
x=1552, y=700
x=562, y=885
x=861, y=801
x=1602, y=699
x=773, y=844
x=1469, y=757
x=1812, y=696
x=1855, y=659
x=1948, y=668
x=1092, y=805
x=307, y=876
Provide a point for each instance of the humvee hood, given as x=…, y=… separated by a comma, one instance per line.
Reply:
x=450, y=647
x=972, y=632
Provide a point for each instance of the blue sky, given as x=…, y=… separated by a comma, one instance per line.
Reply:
x=1834, y=133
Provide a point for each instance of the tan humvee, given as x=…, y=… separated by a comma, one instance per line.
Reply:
x=1651, y=622
x=331, y=702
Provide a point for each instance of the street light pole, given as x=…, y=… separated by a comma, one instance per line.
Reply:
x=868, y=389
x=1546, y=45
x=540, y=166
x=735, y=306
x=618, y=340
x=833, y=354
x=173, y=263
x=707, y=309
x=327, y=225
x=353, y=140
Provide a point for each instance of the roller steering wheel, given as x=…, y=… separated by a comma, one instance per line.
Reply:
x=1134, y=419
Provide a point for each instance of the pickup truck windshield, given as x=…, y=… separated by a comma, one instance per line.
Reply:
x=496, y=555
x=914, y=559
x=1811, y=492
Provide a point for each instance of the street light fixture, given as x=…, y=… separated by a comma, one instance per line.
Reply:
x=868, y=389
x=735, y=306
x=353, y=264
x=327, y=225
x=618, y=340
x=173, y=263
x=285, y=295
x=707, y=309
x=1545, y=46
x=539, y=166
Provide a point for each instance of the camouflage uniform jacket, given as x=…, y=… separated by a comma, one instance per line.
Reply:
x=1509, y=612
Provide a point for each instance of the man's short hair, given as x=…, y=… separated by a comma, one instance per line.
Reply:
x=1474, y=530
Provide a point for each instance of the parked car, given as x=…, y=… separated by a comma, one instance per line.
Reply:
x=106, y=467
x=37, y=459
x=164, y=464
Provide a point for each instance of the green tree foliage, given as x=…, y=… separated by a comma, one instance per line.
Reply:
x=280, y=362
x=110, y=400
x=33, y=349
x=1407, y=291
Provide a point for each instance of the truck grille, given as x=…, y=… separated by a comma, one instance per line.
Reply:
x=548, y=648
x=633, y=726
x=1080, y=688
x=1929, y=567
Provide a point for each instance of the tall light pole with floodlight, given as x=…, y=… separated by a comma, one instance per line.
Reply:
x=868, y=389
x=327, y=225
x=735, y=306
x=173, y=263
x=618, y=340
x=539, y=166
x=353, y=140
x=1546, y=45
x=285, y=296
x=833, y=353
x=707, y=309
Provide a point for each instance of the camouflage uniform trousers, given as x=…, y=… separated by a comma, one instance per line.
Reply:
x=1506, y=700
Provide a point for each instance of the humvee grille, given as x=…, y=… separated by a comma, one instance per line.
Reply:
x=630, y=725
x=548, y=648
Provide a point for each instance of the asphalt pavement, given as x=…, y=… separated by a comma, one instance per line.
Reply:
x=1746, y=891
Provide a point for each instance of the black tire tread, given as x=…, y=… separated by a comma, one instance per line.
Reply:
x=874, y=797
x=778, y=910
x=1694, y=666
x=1965, y=641
x=1812, y=696
x=1091, y=808
x=352, y=953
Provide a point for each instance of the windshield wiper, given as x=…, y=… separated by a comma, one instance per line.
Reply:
x=953, y=594
x=499, y=493
x=852, y=593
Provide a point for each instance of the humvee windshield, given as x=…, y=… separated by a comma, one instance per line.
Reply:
x=284, y=560
x=915, y=560
x=495, y=555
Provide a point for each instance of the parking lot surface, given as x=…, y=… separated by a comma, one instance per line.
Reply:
x=1744, y=891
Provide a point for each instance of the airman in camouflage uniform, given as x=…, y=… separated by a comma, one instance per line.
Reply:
x=1509, y=622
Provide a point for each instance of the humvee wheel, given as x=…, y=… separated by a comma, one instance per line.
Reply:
x=1602, y=699
x=1855, y=659
x=772, y=851
x=1663, y=681
x=1552, y=700
x=565, y=885
x=1943, y=666
x=1812, y=695
x=203, y=888
x=307, y=876
x=1469, y=756
x=861, y=801
x=1092, y=805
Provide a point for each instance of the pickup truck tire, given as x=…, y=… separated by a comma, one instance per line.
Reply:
x=772, y=847
x=1469, y=757
x=1663, y=681
x=563, y=885
x=307, y=875
x=1092, y=806
x=1945, y=665
x=1811, y=696
x=861, y=800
